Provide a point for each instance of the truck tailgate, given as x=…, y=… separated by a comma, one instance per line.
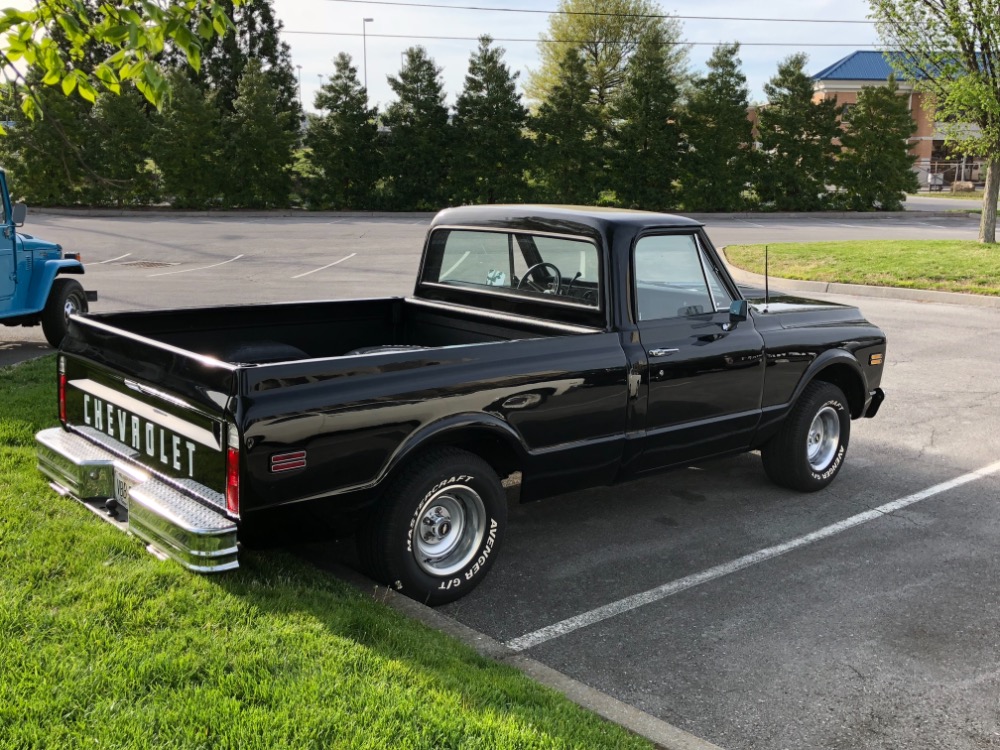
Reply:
x=146, y=442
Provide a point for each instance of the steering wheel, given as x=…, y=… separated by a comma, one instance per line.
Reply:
x=535, y=285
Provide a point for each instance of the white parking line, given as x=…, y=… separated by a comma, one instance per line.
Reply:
x=111, y=260
x=635, y=601
x=201, y=268
x=325, y=267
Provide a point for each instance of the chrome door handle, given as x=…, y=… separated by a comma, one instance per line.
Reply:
x=662, y=352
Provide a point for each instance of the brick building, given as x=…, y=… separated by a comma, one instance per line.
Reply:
x=936, y=166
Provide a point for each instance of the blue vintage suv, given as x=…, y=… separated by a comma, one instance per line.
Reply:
x=34, y=287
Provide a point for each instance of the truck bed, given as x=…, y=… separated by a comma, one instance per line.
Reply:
x=316, y=330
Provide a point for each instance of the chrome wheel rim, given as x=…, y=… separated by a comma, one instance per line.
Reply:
x=450, y=527
x=70, y=308
x=823, y=439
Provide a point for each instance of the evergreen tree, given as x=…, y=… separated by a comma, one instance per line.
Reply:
x=343, y=142
x=875, y=170
x=46, y=156
x=419, y=137
x=718, y=163
x=491, y=151
x=118, y=139
x=797, y=141
x=256, y=37
x=645, y=159
x=569, y=157
x=259, y=145
x=186, y=146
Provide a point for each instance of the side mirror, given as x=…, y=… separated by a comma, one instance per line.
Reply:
x=738, y=311
x=18, y=213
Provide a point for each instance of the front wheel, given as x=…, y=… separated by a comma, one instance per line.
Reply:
x=66, y=297
x=810, y=447
x=438, y=527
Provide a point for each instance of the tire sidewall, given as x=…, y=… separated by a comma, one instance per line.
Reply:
x=55, y=323
x=405, y=573
x=824, y=477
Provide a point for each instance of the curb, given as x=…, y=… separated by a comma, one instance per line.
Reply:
x=282, y=213
x=861, y=290
x=664, y=736
x=278, y=213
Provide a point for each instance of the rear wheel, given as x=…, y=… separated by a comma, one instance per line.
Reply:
x=438, y=527
x=66, y=297
x=810, y=447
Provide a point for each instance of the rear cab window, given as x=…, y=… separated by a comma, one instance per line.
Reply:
x=539, y=274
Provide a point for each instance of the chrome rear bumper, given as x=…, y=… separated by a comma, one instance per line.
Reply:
x=172, y=523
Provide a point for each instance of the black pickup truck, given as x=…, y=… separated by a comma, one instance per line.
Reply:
x=554, y=348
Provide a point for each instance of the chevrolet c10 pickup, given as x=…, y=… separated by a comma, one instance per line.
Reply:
x=544, y=348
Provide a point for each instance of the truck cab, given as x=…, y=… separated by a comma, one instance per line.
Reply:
x=34, y=284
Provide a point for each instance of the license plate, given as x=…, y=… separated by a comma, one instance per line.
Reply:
x=122, y=485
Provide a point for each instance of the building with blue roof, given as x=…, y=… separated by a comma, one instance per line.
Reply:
x=844, y=79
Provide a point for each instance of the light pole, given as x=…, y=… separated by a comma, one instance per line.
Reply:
x=299, y=67
x=364, y=47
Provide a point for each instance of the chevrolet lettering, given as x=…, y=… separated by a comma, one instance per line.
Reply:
x=544, y=350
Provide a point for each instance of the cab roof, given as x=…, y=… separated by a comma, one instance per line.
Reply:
x=584, y=220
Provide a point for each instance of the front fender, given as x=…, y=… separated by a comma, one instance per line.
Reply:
x=841, y=368
x=42, y=276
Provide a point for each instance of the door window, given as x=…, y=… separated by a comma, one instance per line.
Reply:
x=672, y=279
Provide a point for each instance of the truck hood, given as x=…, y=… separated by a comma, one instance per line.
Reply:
x=35, y=245
x=793, y=312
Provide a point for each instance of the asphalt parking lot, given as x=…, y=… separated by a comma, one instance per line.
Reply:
x=704, y=597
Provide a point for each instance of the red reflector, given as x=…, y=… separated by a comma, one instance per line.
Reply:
x=233, y=480
x=62, y=397
x=288, y=461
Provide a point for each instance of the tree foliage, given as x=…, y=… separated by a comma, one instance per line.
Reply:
x=875, y=169
x=950, y=49
x=255, y=37
x=605, y=35
x=135, y=33
x=719, y=157
x=44, y=156
x=645, y=164
x=490, y=154
x=259, y=142
x=570, y=158
x=797, y=141
x=419, y=136
x=186, y=146
x=117, y=150
x=343, y=140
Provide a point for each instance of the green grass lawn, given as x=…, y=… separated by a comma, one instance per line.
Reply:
x=975, y=195
x=945, y=265
x=103, y=646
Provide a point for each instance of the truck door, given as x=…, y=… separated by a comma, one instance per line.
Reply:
x=8, y=237
x=705, y=373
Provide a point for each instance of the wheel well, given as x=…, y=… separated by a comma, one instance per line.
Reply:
x=489, y=446
x=848, y=381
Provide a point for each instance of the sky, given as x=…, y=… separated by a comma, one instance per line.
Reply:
x=335, y=26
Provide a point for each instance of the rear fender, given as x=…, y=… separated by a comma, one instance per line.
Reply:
x=483, y=434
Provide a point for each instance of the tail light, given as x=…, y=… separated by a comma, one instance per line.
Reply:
x=62, y=390
x=233, y=472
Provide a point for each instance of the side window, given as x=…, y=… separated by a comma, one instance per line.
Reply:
x=720, y=295
x=669, y=278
